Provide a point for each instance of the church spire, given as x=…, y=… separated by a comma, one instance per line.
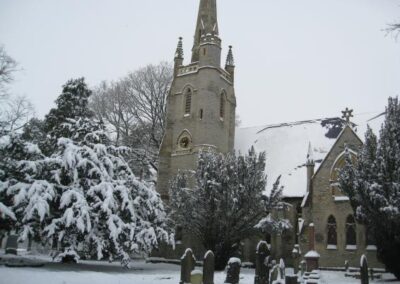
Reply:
x=207, y=24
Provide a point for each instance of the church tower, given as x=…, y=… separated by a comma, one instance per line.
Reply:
x=201, y=103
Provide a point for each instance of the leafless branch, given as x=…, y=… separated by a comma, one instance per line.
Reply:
x=7, y=68
x=394, y=29
x=15, y=113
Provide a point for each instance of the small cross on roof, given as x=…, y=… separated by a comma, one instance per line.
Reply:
x=347, y=114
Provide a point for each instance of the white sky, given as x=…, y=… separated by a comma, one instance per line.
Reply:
x=295, y=59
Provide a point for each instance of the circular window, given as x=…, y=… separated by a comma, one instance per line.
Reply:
x=184, y=143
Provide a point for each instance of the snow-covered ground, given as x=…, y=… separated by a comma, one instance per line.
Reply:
x=94, y=272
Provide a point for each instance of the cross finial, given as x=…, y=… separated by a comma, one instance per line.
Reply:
x=347, y=114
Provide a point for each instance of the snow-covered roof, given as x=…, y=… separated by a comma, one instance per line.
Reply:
x=287, y=146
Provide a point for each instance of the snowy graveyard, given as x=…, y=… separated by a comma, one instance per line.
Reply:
x=140, y=272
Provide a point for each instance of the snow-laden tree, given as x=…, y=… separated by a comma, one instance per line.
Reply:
x=222, y=202
x=372, y=183
x=83, y=194
x=12, y=150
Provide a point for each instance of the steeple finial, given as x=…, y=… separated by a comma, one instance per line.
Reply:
x=207, y=24
x=179, y=49
x=229, y=59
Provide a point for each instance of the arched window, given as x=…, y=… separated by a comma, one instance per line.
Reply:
x=222, y=106
x=351, y=239
x=332, y=234
x=184, y=140
x=188, y=101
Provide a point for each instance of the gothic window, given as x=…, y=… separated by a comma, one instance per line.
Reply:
x=332, y=234
x=222, y=106
x=188, y=101
x=201, y=114
x=184, y=141
x=351, y=239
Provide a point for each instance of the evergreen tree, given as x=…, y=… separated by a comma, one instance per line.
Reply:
x=372, y=183
x=225, y=203
x=82, y=194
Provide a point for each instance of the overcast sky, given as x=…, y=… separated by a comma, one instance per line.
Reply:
x=295, y=59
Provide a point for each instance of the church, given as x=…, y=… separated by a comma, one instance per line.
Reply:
x=306, y=154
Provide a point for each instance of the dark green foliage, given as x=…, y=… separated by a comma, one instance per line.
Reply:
x=373, y=186
x=225, y=201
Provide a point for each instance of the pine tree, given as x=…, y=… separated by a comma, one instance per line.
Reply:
x=82, y=194
x=13, y=151
x=222, y=201
x=372, y=183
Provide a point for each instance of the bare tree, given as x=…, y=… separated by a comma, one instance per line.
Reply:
x=147, y=90
x=15, y=113
x=7, y=67
x=110, y=104
x=393, y=29
x=134, y=109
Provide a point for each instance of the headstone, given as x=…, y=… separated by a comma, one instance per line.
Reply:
x=208, y=268
x=274, y=274
x=196, y=277
x=12, y=245
x=296, y=258
x=364, y=270
x=188, y=263
x=303, y=267
x=232, y=276
x=346, y=266
x=312, y=260
x=282, y=268
x=262, y=263
x=292, y=279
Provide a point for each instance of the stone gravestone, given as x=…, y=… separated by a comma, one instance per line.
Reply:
x=208, y=268
x=274, y=273
x=282, y=268
x=196, y=277
x=12, y=245
x=296, y=258
x=364, y=270
x=232, y=276
x=346, y=266
x=188, y=263
x=262, y=269
x=303, y=267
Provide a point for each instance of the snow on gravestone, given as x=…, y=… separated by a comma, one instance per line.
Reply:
x=364, y=270
x=232, y=276
x=188, y=263
x=208, y=268
x=262, y=269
